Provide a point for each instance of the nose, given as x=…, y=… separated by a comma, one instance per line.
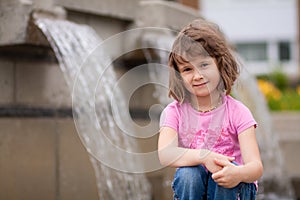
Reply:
x=197, y=74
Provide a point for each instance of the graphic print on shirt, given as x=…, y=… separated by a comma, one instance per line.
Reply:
x=214, y=140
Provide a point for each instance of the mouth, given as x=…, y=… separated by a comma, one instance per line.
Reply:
x=200, y=84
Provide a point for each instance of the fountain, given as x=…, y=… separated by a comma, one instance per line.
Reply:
x=43, y=102
x=72, y=44
x=88, y=78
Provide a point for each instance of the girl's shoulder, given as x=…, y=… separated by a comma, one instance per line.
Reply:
x=234, y=103
x=239, y=114
x=176, y=105
x=171, y=106
x=177, y=108
x=170, y=116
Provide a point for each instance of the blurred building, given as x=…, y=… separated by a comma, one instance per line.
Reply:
x=265, y=33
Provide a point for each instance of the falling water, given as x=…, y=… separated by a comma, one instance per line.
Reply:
x=274, y=184
x=90, y=76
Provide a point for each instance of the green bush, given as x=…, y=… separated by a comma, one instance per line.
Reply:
x=279, y=79
x=289, y=100
x=279, y=94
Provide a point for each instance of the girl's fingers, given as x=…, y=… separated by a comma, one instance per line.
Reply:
x=221, y=162
x=217, y=175
x=231, y=159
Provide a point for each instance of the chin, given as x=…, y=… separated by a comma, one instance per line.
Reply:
x=201, y=94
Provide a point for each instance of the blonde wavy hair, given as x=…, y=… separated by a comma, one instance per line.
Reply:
x=201, y=38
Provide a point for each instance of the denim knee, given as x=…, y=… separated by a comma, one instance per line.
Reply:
x=247, y=191
x=190, y=182
x=191, y=175
x=243, y=191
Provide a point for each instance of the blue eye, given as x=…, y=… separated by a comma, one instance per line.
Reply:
x=204, y=65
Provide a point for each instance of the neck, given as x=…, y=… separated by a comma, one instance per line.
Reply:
x=209, y=103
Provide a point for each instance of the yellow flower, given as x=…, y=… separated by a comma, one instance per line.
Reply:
x=298, y=90
x=269, y=90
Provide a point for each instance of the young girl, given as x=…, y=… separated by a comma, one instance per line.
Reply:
x=205, y=133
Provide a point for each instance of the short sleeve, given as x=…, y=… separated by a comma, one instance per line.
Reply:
x=242, y=118
x=170, y=117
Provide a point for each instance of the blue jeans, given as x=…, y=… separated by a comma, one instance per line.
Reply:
x=196, y=183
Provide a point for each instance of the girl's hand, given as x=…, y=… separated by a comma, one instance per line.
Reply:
x=211, y=165
x=228, y=176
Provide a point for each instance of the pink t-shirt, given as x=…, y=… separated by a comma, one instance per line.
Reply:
x=216, y=130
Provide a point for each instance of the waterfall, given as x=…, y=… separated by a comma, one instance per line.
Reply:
x=274, y=184
x=90, y=76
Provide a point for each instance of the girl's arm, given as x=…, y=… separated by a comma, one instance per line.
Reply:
x=252, y=169
x=171, y=155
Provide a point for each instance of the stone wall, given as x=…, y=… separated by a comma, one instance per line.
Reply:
x=41, y=155
x=43, y=158
x=286, y=125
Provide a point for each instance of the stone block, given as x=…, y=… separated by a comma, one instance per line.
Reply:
x=27, y=159
x=158, y=14
x=286, y=125
x=105, y=27
x=43, y=4
x=44, y=159
x=162, y=14
x=6, y=82
x=14, y=19
x=161, y=181
x=77, y=177
x=142, y=98
x=124, y=9
x=41, y=84
x=291, y=158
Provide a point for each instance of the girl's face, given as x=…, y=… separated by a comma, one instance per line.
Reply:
x=201, y=76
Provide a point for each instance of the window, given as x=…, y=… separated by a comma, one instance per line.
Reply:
x=253, y=51
x=284, y=51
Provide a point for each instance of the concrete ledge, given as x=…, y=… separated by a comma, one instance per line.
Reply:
x=123, y=9
x=287, y=125
x=18, y=28
x=170, y=16
x=165, y=14
x=13, y=26
x=33, y=34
